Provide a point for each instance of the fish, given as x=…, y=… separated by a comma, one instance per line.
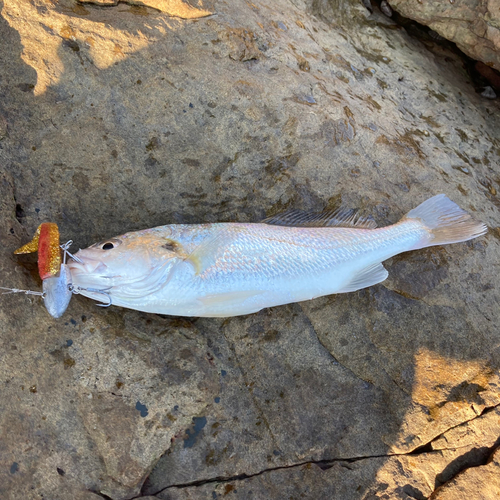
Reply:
x=232, y=269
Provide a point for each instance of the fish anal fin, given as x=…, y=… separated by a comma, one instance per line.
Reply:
x=369, y=276
x=341, y=217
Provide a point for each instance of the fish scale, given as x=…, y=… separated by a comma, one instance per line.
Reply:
x=229, y=269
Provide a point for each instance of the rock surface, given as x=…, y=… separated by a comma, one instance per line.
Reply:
x=473, y=25
x=175, y=8
x=404, y=476
x=121, y=117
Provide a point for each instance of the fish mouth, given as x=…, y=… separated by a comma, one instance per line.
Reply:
x=88, y=272
x=87, y=266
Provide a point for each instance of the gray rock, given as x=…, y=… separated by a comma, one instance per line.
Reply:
x=403, y=476
x=385, y=8
x=473, y=26
x=119, y=118
x=489, y=93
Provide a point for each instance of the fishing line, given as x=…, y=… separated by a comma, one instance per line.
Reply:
x=26, y=292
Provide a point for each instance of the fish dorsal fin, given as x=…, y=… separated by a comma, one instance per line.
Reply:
x=341, y=217
x=368, y=276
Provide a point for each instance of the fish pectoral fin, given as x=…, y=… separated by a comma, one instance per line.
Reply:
x=369, y=276
x=229, y=298
x=205, y=254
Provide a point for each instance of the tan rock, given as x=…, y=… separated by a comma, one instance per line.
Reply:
x=477, y=483
x=397, y=477
x=473, y=26
x=120, y=118
x=177, y=8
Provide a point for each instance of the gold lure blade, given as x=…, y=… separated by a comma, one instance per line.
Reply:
x=32, y=246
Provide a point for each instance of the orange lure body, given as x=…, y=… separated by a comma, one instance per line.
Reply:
x=46, y=242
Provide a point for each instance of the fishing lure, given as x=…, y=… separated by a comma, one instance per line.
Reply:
x=230, y=269
x=53, y=270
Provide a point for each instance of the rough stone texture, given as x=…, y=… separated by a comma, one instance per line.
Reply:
x=176, y=8
x=478, y=482
x=405, y=476
x=120, y=118
x=474, y=25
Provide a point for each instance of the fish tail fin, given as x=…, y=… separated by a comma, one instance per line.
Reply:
x=447, y=222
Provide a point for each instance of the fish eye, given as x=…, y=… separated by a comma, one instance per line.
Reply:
x=110, y=244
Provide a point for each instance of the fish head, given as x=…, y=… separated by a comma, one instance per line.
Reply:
x=125, y=266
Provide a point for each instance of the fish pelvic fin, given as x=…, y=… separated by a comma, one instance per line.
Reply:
x=446, y=221
x=229, y=298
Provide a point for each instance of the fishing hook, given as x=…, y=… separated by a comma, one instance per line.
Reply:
x=65, y=250
x=76, y=290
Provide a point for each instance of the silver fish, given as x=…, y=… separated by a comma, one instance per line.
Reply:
x=230, y=269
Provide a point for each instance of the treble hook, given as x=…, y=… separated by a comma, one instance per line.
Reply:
x=78, y=289
x=65, y=250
